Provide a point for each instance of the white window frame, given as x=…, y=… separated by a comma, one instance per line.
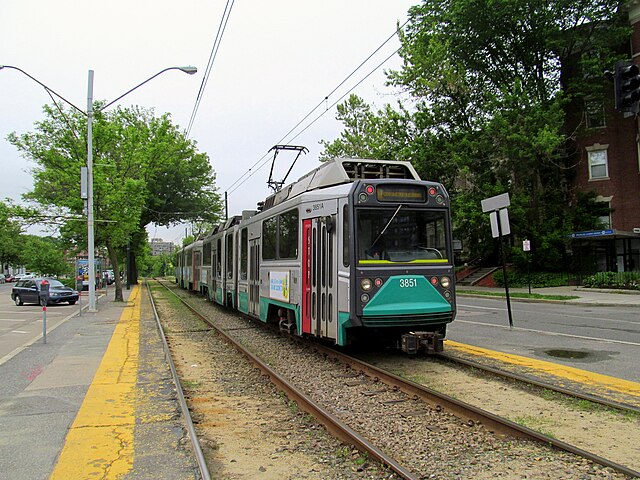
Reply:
x=591, y=155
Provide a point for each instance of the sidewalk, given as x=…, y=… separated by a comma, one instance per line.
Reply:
x=586, y=296
x=96, y=400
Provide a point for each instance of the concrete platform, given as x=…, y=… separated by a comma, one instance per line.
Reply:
x=95, y=401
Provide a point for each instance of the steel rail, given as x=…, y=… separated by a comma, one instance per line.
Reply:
x=469, y=412
x=195, y=443
x=539, y=383
x=333, y=424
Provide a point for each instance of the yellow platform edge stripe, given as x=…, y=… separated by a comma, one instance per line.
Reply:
x=99, y=443
x=561, y=371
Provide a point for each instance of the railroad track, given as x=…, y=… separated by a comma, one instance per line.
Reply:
x=329, y=421
x=193, y=437
x=600, y=400
x=471, y=415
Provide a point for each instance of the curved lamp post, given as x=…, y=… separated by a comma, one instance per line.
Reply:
x=89, y=113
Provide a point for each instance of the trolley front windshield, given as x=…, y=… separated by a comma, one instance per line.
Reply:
x=401, y=235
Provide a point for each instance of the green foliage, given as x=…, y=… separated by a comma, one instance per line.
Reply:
x=381, y=135
x=44, y=255
x=616, y=280
x=518, y=279
x=9, y=237
x=158, y=266
x=488, y=113
x=145, y=170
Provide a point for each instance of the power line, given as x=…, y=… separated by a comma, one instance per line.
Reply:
x=252, y=171
x=262, y=162
x=212, y=56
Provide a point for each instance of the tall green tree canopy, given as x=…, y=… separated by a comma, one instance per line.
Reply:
x=488, y=97
x=145, y=170
x=44, y=255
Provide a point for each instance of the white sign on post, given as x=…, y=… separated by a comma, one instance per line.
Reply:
x=505, y=229
x=526, y=245
x=492, y=204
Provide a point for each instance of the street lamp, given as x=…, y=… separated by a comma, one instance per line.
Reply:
x=89, y=113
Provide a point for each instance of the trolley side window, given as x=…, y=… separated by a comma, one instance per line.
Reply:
x=229, y=244
x=288, y=235
x=244, y=246
x=280, y=236
x=346, y=236
x=269, y=232
x=206, y=254
x=218, y=258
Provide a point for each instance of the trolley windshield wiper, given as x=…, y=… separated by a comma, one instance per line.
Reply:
x=385, y=227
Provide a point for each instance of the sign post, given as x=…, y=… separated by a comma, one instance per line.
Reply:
x=526, y=247
x=499, y=217
x=79, y=280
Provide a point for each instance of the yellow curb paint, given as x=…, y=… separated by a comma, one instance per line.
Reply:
x=569, y=373
x=99, y=444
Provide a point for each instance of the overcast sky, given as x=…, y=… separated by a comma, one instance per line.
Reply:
x=277, y=60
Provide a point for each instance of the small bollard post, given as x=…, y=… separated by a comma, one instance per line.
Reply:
x=44, y=324
x=44, y=299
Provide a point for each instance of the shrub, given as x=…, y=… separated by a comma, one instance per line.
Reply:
x=622, y=280
x=518, y=279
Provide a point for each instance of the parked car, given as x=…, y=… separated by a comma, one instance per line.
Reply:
x=9, y=278
x=23, y=276
x=27, y=290
x=108, y=275
x=2, y=278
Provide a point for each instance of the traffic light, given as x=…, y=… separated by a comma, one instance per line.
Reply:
x=627, y=84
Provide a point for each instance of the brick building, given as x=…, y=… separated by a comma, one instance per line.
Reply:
x=160, y=247
x=606, y=160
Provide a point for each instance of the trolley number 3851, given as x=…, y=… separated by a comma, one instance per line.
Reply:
x=408, y=282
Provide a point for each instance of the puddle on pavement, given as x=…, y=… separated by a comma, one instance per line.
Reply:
x=578, y=355
x=567, y=354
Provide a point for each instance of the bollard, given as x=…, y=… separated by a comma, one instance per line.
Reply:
x=44, y=323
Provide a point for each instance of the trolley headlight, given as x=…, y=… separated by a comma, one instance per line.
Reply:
x=364, y=298
x=445, y=282
x=366, y=284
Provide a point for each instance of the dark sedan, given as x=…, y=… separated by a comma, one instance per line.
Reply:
x=28, y=291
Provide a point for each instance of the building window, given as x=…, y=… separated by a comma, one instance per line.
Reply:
x=598, y=165
x=594, y=111
x=605, y=220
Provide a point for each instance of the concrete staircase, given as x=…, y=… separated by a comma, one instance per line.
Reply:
x=476, y=276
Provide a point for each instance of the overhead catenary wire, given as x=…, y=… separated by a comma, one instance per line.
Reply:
x=238, y=183
x=262, y=161
x=212, y=57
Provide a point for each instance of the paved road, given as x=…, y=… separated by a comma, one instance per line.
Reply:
x=599, y=339
x=20, y=326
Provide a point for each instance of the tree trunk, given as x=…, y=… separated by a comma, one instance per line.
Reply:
x=113, y=256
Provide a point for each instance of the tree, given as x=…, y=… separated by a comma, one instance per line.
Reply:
x=44, y=255
x=145, y=170
x=9, y=238
x=489, y=100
